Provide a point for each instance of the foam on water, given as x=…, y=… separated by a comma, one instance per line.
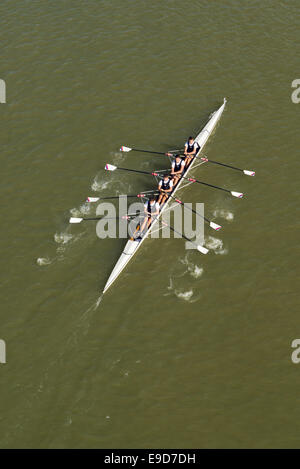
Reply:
x=224, y=214
x=186, y=296
x=193, y=269
x=181, y=294
x=117, y=156
x=98, y=186
x=196, y=272
x=84, y=209
x=43, y=261
x=216, y=245
x=62, y=238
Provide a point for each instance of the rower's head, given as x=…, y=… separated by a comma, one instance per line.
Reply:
x=166, y=177
x=178, y=158
x=151, y=199
x=191, y=139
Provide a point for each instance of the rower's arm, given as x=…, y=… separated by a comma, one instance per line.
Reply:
x=185, y=149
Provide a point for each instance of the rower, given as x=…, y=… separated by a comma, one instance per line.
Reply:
x=165, y=186
x=177, y=169
x=151, y=209
x=191, y=148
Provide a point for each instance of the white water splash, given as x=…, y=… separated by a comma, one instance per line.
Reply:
x=43, y=261
x=193, y=269
x=182, y=295
x=216, y=245
x=62, y=238
x=74, y=212
x=224, y=214
x=196, y=271
x=85, y=208
x=98, y=186
x=186, y=296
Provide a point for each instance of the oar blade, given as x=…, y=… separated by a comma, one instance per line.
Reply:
x=110, y=167
x=75, y=220
x=92, y=199
x=202, y=249
x=125, y=148
x=249, y=173
x=237, y=194
x=215, y=226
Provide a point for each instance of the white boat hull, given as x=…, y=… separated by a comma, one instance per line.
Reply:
x=132, y=246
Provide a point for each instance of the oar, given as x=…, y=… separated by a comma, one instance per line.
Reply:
x=124, y=217
x=198, y=246
x=233, y=193
x=211, y=223
x=110, y=167
x=127, y=149
x=95, y=199
x=245, y=171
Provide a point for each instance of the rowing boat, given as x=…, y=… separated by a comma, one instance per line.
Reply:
x=133, y=245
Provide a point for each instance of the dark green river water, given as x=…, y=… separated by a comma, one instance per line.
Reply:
x=184, y=350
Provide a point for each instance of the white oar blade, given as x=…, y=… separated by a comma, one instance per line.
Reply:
x=202, y=249
x=75, y=220
x=215, y=226
x=249, y=173
x=110, y=167
x=125, y=148
x=92, y=199
x=237, y=194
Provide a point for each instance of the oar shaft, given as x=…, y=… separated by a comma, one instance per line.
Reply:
x=148, y=151
x=138, y=171
x=189, y=208
x=206, y=184
x=117, y=196
x=222, y=164
x=124, y=217
x=181, y=234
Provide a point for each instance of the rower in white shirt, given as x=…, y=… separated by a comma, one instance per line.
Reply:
x=177, y=169
x=151, y=209
x=165, y=186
